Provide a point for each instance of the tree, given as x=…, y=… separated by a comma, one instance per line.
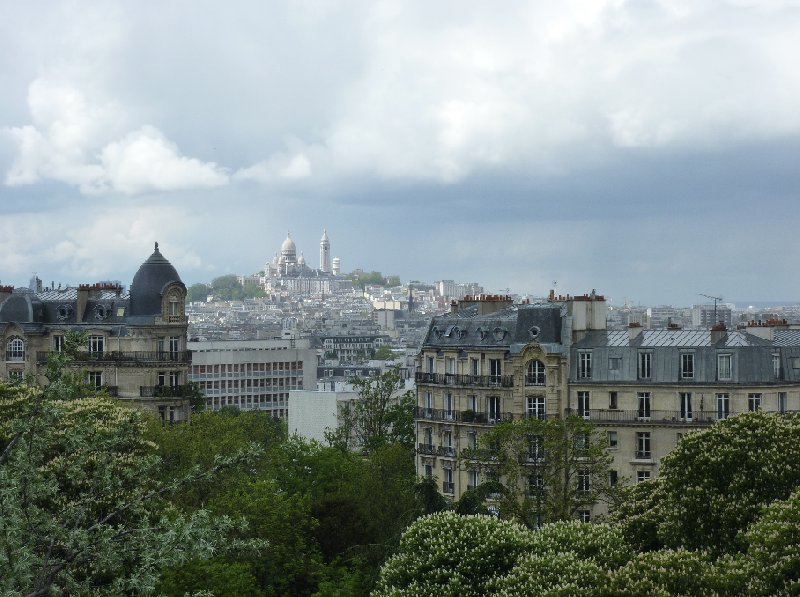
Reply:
x=544, y=470
x=383, y=353
x=380, y=415
x=80, y=507
x=198, y=293
x=715, y=482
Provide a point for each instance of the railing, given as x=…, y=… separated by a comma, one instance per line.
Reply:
x=533, y=380
x=448, y=487
x=112, y=390
x=427, y=449
x=643, y=454
x=183, y=391
x=463, y=416
x=670, y=417
x=455, y=379
x=471, y=486
x=15, y=356
x=477, y=454
x=127, y=357
x=447, y=451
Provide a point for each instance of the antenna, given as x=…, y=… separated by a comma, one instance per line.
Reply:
x=715, y=299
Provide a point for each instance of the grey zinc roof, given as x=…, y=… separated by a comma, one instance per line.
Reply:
x=513, y=327
x=787, y=338
x=678, y=338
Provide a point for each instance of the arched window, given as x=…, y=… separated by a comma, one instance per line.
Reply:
x=535, y=374
x=15, y=349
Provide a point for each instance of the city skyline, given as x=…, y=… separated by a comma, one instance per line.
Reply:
x=647, y=150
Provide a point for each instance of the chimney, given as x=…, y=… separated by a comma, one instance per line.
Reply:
x=5, y=292
x=83, y=298
x=634, y=331
x=718, y=333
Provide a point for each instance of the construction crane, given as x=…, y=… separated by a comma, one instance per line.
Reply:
x=715, y=299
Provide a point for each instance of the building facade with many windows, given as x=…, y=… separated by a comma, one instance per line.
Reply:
x=136, y=341
x=252, y=374
x=489, y=361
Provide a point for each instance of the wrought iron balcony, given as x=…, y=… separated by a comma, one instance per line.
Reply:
x=461, y=416
x=456, y=379
x=181, y=391
x=448, y=487
x=447, y=451
x=137, y=357
x=658, y=417
x=427, y=449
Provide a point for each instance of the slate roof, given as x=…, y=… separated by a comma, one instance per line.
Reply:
x=662, y=338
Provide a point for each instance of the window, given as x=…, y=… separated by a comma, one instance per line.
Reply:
x=643, y=445
x=474, y=367
x=447, y=484
x=723, y=406
x=612, y=400
x=584, y=515
x=428, y=470
x=473, y=479
x=644, y=405
x=535, y=484
x=447, y=439
x=782, y=402
x=581, y=443
x=776, y=366
x=613, y=440
x=428, y=404
x=584, y=364
x=687, y=366
x=95, y=379
x=15, y=349
x=450, y=365
x=583, y=404
x=174, y=306
x=685, y=399
x=174, y=379
x=427, y=435
x=96, y=344
x=724, y=367
x=535, y=407
x=58, y=343
x=535, y=448
x=795, y=363
x=495, y=370
x=472, y=403
x=431, y=367
x=15, y=375
x=448, y=406
x=174, y=347
x=642, y=476
x=613, y=477
x=614, y=363
x=472, y=439
x=753, y=402
x=494, y=408
x=645, y=365
x=535, y=375
x=584, y=480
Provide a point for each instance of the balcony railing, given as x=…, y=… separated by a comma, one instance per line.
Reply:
x=447, y=451
x=137, y=357
x=643, y=454
x=667, y=417
x=427, y=449
x=182, y=391
x=448, y=487
x=462, y=416
x=456, y=379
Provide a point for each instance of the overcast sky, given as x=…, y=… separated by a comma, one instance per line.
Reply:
x=648, y=149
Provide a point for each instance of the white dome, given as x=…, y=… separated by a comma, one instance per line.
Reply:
x=288, y=245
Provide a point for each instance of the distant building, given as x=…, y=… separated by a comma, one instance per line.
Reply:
x=287, y=272
x=252, y=374
x=136, y=347
x=705, y=316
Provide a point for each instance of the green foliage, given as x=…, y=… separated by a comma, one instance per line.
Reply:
x=380, y=415
x=80, y=505
x=448, y=554
x=637, y=515
x=539, y=464
x=363, y=279
x=384, y=353
x=224, y=288
x=666, y=572
x=553, y=574
x=197, y=293
x=714, y=484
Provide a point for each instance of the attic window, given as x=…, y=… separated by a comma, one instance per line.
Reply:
x=499, y=334
x=102, y=311
x=534, y=331
x=120, y=311
x=64, y=311
x=483, y=333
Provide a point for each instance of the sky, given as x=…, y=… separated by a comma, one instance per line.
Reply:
x=646, y=149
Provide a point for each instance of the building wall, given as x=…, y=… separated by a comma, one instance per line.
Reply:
x=252, y=374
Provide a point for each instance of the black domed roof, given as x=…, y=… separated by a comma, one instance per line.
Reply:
x=20, y=307
x=149, y=282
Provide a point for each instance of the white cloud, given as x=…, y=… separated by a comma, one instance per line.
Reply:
x=75, y=141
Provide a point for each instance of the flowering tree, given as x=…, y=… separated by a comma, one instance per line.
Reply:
x=80, y=509
x=714, y=484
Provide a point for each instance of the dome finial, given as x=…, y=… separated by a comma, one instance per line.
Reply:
x=156, y=246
